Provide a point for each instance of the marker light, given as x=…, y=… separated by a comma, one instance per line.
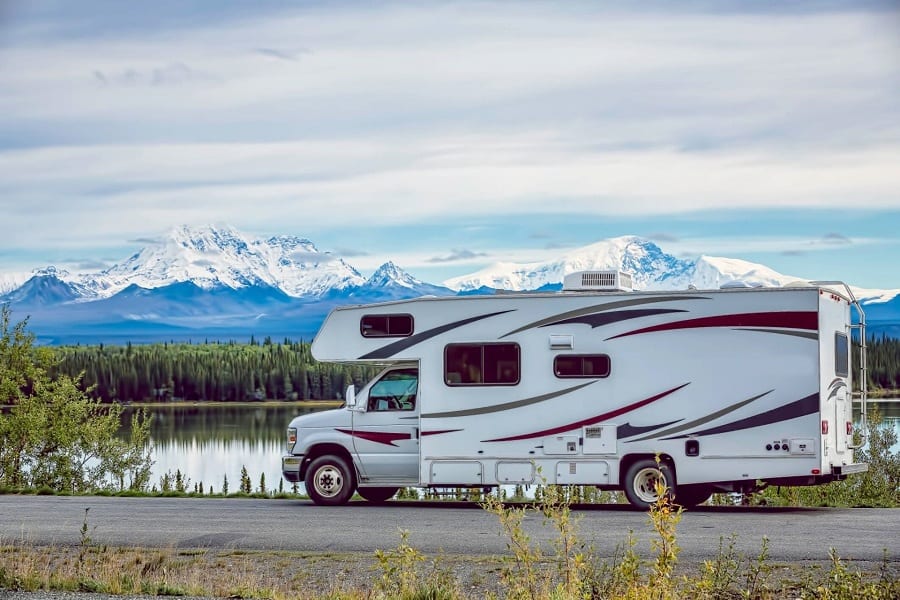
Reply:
x=824, y=427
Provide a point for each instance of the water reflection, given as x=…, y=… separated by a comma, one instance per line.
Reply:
x=209, y=442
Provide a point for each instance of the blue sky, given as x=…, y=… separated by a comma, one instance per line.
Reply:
x=449, y=135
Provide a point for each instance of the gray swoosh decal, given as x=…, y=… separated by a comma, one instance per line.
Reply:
x=627, y=430
x=599, y=308
x=836, y=386
x=704, y=420
x=392, y=349
x=506, y=406
x=803, y=334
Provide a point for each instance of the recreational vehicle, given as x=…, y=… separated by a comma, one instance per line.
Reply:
x=701, y=390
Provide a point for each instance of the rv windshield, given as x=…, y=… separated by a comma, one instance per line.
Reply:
x=395, y=391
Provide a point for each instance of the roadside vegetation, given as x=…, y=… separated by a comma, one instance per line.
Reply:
x=54, y=436
x=567, y=568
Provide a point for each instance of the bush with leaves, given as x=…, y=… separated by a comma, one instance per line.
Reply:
x=53, y=434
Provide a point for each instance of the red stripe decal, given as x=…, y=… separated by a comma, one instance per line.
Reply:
x=789, y=319
x=440, y=431
x=578, y=424
x=379, y=437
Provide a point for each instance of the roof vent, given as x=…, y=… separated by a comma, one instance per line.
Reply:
x=598, y=281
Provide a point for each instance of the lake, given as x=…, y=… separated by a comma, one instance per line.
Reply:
x=208, y=442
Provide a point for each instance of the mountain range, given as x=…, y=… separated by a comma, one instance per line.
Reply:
x=198, y=283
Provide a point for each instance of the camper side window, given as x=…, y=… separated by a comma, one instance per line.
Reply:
x=581, y=365
x=481, y=364
x=386, y=325
x=841, y=355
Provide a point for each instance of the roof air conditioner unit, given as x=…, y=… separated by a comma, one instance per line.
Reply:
x=598, y=281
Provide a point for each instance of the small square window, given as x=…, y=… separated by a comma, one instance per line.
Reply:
x=581, y=365
x=386, y=325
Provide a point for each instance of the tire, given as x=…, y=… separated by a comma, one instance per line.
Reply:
x=690, y=496
x=377, y=495
x=329, y=481
x=640, y=482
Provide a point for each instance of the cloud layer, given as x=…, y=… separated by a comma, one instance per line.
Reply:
x=115, y=127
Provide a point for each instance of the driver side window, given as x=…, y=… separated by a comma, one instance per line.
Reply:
x=395, y=391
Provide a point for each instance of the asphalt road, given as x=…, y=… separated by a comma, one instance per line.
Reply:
x=795, y=535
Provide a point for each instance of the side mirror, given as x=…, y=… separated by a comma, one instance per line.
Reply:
x=350, y=396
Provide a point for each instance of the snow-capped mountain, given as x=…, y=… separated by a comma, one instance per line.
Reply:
x=391, y=282
x=210, y=257
x=651, y=269
x=219, y=282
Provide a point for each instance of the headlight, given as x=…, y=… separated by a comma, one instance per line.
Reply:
x=291, y=438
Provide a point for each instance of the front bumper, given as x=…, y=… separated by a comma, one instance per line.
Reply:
x=290, y=467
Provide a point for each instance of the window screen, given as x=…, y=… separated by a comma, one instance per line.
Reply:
x=581, y=365
x=386, y=325
x=841, y=355
x=481, y=364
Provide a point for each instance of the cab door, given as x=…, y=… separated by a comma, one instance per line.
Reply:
x=386, y=429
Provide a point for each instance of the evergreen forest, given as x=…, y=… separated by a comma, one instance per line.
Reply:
x=273, y=371
x=883, y=362
x=225, y=372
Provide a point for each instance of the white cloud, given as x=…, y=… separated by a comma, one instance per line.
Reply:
x=301, y=120
x=148, y=189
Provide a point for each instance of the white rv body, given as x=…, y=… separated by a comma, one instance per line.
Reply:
x=727, y=387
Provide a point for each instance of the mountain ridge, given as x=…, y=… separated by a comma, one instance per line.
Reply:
x=217, y=279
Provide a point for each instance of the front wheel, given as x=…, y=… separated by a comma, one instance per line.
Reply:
x=377, y=495
x=330, y=481
x=641, y=481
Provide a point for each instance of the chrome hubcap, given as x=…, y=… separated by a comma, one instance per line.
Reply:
x=645, y=484
x=328, y=481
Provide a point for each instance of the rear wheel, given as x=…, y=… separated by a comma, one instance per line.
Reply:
x=377, y=495
x=689, y=496
x=330, y=481
x=641, y=481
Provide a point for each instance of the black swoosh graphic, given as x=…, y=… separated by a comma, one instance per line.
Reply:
x=599, y=308
x=605, y=318
x=704, y=420
x=800, y=408
x=392, y=349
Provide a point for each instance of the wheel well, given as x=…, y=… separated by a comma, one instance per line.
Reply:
x=322, y=450
x=630, y=459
